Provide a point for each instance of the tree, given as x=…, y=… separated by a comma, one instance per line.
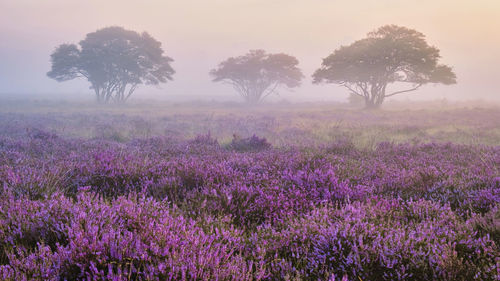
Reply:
x=257, y=74
x=115, y=61
x=355, y=100
x=390, y=55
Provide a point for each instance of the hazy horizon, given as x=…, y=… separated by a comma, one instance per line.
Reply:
x=200, y=34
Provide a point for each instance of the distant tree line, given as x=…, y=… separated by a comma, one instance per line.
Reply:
x=116, y=61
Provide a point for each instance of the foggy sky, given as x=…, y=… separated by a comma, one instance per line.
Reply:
x=199, y=34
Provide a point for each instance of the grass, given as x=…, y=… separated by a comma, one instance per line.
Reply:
x=282, y=124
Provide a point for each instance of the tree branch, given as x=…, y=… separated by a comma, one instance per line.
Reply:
x=131, y=90
x=404, y=91
x=276, y=84
x=352, y=90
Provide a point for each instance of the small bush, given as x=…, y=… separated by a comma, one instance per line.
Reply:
x=38, y=134
x=252, y=143
x=205, y=140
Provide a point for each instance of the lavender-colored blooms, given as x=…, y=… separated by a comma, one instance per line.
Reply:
x=167, y=208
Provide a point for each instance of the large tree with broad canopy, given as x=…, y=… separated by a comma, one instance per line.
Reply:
x=389, y=55
x=114, y=60
x=258, y=74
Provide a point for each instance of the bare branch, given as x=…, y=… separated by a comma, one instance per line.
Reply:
x=131, y=91
x=352, y=90
x=404, y=91
x=272, y=90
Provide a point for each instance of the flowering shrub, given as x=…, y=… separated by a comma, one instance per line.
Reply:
x=167, y=208
x=253, y=143
x=205, y=140
x=379, y=240
x=133, y=237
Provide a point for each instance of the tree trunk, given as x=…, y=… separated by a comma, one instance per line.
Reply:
x=373, y=103
x=372, y=106
x=375, y=98
x=99, y=93
x=252, y=100
x=253, y=96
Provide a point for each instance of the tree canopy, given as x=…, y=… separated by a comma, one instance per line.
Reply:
x=115, y=61
x=389, y=55
x=258, y=74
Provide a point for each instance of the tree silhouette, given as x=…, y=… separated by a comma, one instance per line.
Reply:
x=257, y=74
x=390, y=55
x=115, y=61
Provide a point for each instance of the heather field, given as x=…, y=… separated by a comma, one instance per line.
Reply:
x=207, y=191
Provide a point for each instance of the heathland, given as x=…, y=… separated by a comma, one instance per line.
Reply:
x=221, y=191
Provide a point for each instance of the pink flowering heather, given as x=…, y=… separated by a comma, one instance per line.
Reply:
x=246, y=201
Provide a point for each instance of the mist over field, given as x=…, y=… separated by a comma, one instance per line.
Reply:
x=200, y=34
x=249, y=140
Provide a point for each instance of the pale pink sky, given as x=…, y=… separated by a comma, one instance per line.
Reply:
x=200, y=33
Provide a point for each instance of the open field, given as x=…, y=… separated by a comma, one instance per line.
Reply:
x=161, y=191
x=306, y=124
